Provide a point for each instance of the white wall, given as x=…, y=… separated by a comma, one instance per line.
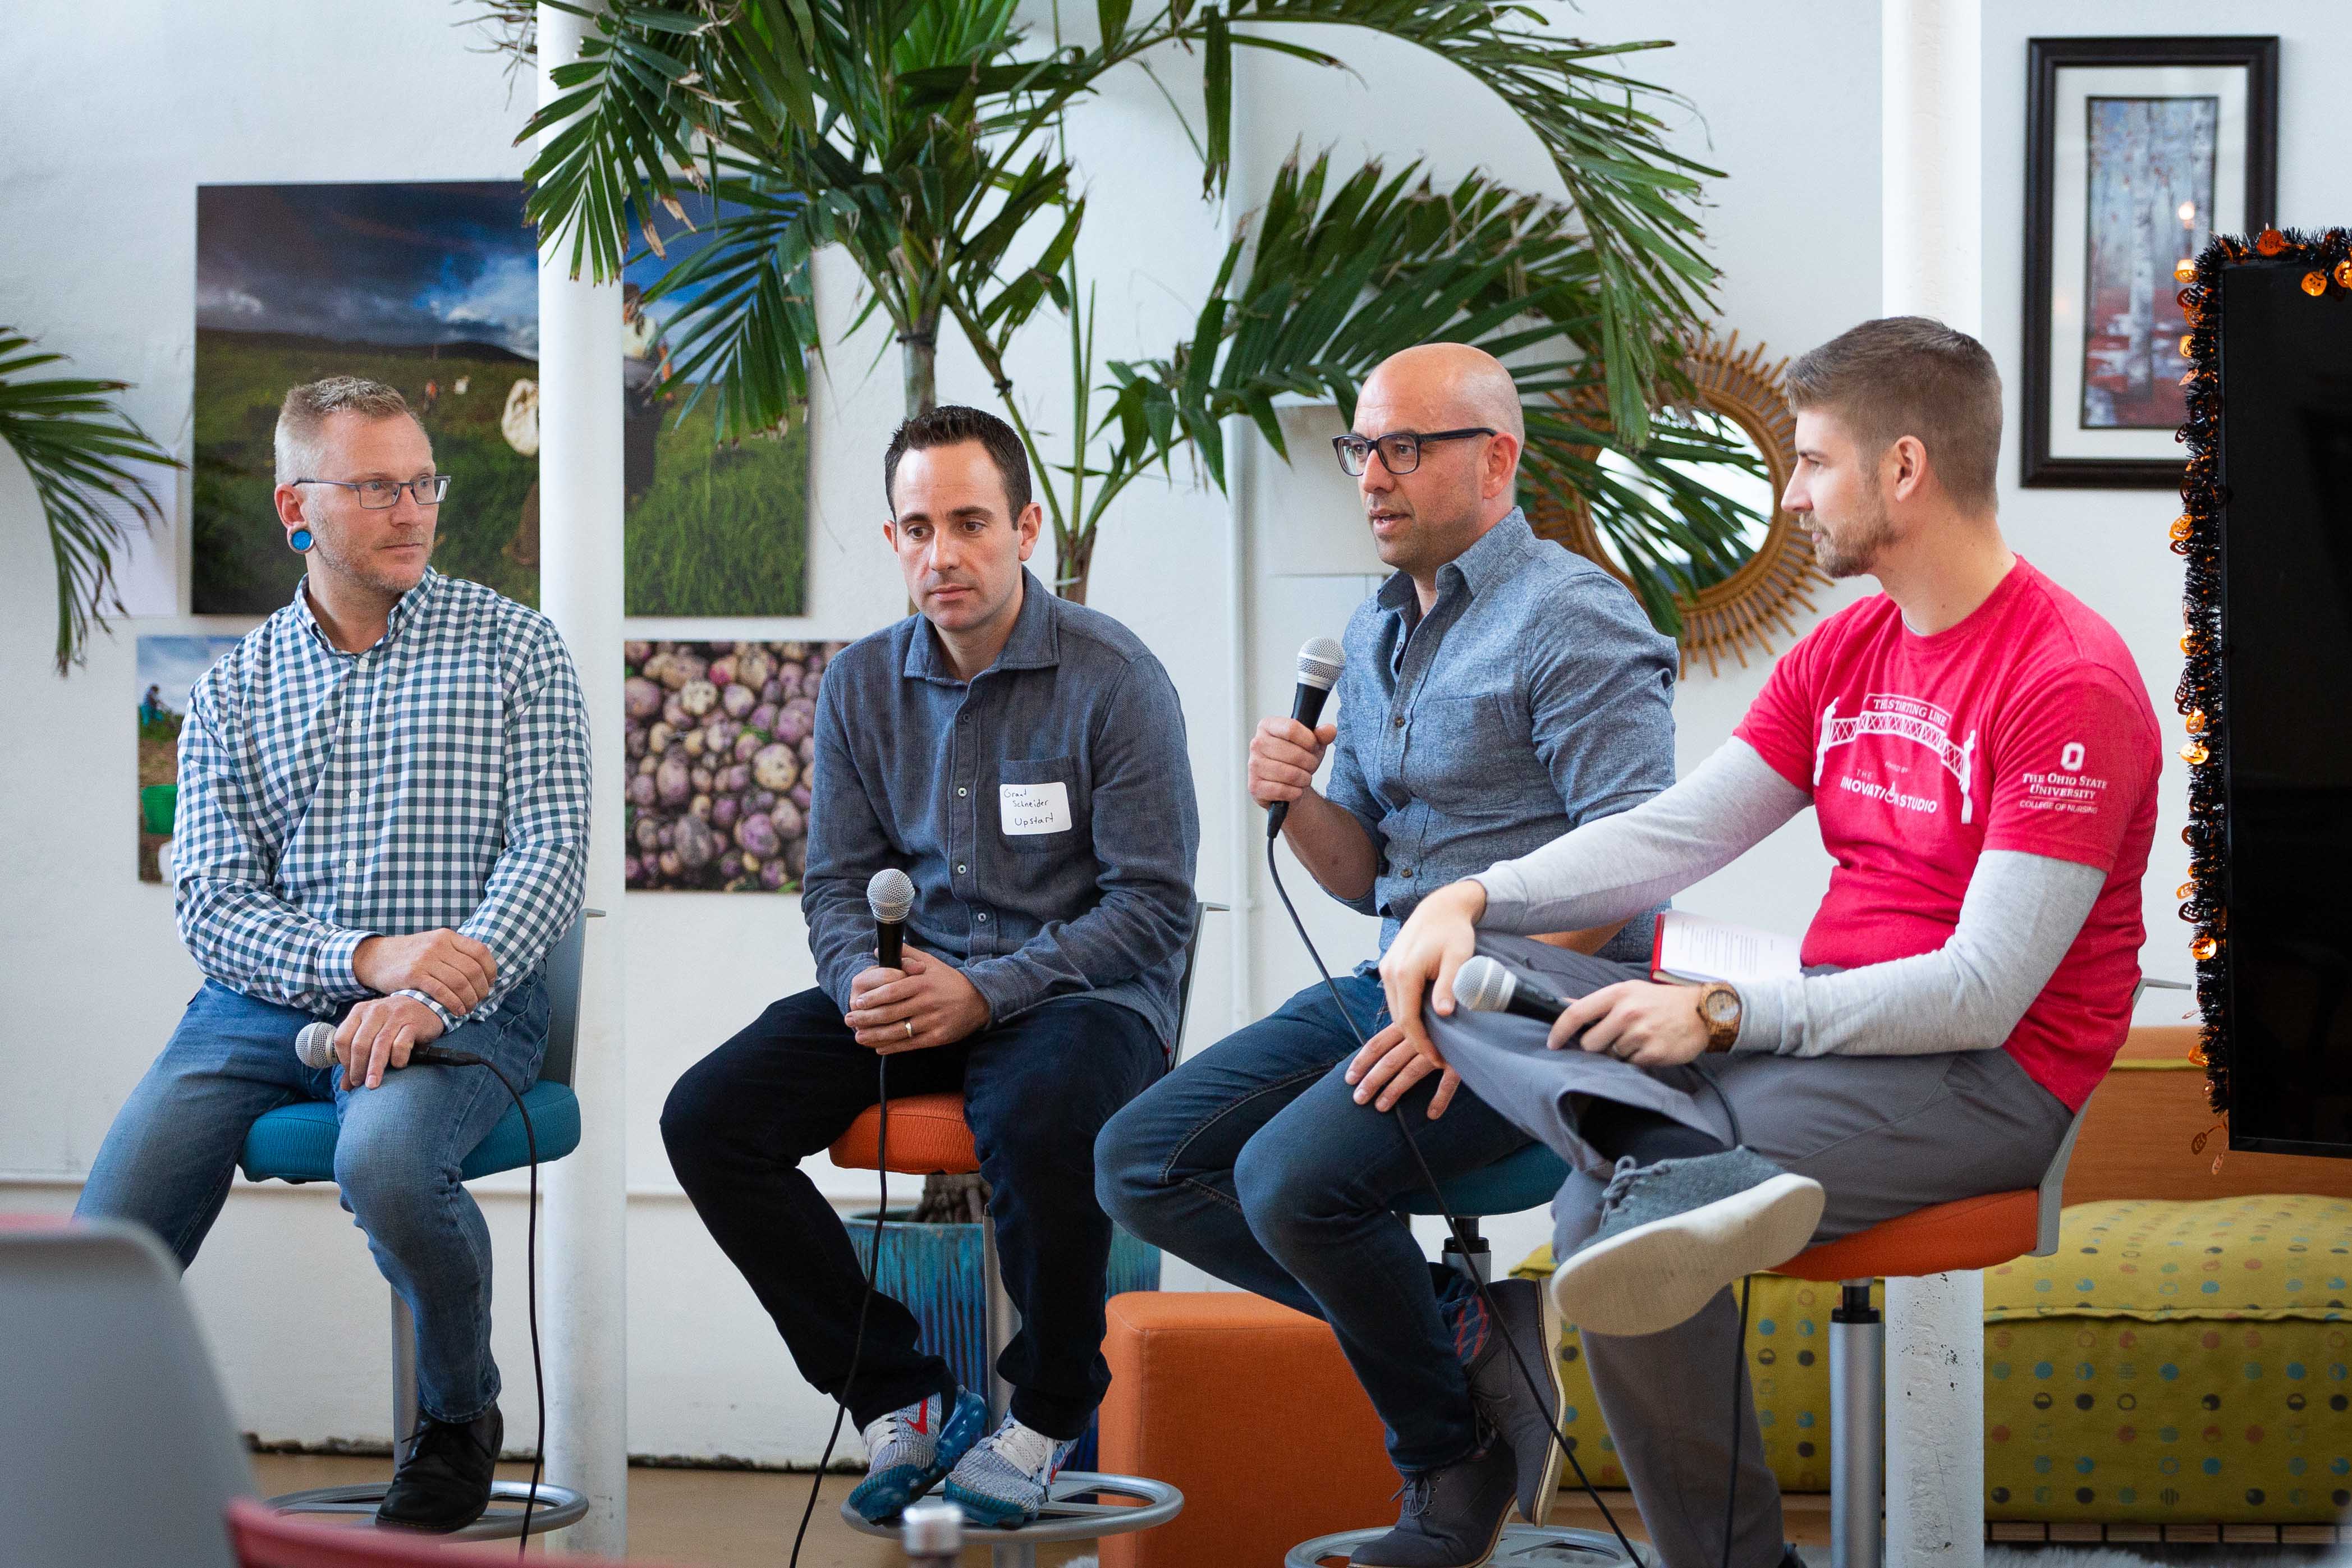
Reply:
x=123, y=110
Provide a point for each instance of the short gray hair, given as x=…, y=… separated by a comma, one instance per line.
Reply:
x=307, y=407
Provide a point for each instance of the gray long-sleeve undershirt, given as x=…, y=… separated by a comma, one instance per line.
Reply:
x=2020, y=915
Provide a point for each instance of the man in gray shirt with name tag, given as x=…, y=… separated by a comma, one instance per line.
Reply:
x=1497, y=690
x=1023, y=760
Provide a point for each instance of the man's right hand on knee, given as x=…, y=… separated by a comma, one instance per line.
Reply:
x=448, y=966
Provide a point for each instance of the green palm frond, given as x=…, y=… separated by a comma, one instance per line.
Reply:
x=924, y=137
x=1338, y=280
x=75, y=443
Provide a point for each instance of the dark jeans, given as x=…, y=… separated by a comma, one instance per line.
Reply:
x=1035, y=1091
x=1253, y=1161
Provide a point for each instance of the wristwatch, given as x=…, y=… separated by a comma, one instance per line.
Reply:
x=1718, y=1009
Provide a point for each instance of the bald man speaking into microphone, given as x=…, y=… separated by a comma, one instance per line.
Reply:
x=1495, y=690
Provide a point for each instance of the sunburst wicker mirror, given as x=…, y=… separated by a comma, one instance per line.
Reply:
x=1765, y=595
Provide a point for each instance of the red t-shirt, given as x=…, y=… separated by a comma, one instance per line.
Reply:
x=2024, y=728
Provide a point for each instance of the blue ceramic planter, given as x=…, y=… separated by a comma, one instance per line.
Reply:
x=936, y=1271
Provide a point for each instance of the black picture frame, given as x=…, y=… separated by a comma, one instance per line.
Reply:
x=2045, y=58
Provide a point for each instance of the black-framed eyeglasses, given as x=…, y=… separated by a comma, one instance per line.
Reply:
x=381, y=495
x=1400, y=449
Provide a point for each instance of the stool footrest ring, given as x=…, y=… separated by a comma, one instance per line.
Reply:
x=555, y=1508
x=1065, y=1517
x=1521, y=1546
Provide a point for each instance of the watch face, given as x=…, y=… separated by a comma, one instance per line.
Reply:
x=1720, y=1006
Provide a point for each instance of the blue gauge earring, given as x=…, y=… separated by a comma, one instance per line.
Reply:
x=302, y=541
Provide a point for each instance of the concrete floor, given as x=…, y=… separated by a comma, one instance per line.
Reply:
x=693, y=1519
x=745, y=1519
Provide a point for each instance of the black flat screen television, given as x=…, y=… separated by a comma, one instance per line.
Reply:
x=2286, y=601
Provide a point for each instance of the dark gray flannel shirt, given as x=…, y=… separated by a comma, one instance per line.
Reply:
x=1076, y=728
x=1534, y=698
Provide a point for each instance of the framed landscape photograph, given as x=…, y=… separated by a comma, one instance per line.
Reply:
x=431, y=287
x=2138, y=151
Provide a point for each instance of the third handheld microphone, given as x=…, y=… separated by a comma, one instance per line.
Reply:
x=1319, y=664
x=1483, y=985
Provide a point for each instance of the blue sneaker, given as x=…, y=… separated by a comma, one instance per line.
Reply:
x=1673, y=1232
x=908, y=1450
x=1005, y=1481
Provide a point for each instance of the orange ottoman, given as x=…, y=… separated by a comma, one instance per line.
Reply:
x=1250, y=1410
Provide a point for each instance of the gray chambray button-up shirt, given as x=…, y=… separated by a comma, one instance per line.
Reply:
x=1044, y=811
x=1533, y=698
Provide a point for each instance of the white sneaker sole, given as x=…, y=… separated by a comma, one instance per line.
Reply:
x=1555, y=1457
x=1658, y=1275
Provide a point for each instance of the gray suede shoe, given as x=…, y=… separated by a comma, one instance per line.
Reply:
x=1673, y=1232
x=1451, y=1516
x=1524, y=1417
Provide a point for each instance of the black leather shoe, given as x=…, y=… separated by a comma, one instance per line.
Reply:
x=445, y=1482
x=1525, y=1418
x=1451, y=1516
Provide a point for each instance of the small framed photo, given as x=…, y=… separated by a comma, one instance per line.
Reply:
x=2137, y=152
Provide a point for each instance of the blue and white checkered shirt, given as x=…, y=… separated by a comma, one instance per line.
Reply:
x=439, y=779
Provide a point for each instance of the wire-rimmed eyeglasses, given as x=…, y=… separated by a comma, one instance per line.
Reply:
x=1400, y=449
x=381, y=495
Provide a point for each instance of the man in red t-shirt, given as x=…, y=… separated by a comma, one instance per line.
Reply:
x=1982, y=756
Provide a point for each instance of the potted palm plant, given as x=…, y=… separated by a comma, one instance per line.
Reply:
x=927, y=139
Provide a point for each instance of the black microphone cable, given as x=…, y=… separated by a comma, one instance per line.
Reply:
x=1454, y=1224
x=444, y=1056
x=873, y=1267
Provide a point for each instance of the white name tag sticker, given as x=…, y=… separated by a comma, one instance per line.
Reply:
x=1028, y=809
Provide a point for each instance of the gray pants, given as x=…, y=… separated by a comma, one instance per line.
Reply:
x=1884, y=1135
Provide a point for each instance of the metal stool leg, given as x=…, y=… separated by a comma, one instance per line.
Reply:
x=1003, y=1318
x=404, y=1379
x=1479, y=1266
x=1857, y=1430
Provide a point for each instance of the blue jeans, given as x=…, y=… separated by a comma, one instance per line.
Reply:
x=168, y=1160
x=1253, y=1161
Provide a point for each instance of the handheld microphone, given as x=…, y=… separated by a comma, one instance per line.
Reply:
x=315, y=1047
x=1483, y=985
x=1319, y=664
x=891, y=894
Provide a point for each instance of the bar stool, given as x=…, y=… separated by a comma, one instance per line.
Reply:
x=929, y=1137
x=1525, y=1180
x=1976, y=1233
x=295, y=1143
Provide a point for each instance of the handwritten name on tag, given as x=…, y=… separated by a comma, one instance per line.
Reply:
x=1027, y=808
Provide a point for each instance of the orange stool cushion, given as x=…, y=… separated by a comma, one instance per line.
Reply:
x=927, y=1138
x=1973, y=1233
x=1250, y=1411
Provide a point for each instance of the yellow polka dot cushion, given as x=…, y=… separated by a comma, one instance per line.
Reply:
x=2181, y=1362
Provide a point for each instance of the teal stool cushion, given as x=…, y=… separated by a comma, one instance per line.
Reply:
x=1528, y=1179
x=296, y=1142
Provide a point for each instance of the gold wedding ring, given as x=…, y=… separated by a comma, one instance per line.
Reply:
x=910, y=1028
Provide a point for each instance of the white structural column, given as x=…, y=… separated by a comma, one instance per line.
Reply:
x=1932, y=188
x=585, y=1252
x=1932, y=159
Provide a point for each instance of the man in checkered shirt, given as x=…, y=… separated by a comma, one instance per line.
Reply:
x=382, y=820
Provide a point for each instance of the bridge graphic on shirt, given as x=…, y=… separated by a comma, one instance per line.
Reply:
x=1887, y=718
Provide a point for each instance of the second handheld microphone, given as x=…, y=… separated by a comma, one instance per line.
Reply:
x=315, y=1047
x=1483, y=985
x=1319, y=664
x=890, y=898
